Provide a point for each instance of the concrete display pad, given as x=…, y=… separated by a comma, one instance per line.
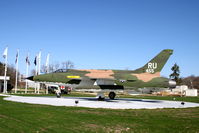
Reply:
x=120, y=103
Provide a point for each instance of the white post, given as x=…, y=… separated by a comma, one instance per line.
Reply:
x=5, y=55
x=46, y=89
x=191, y=84
x=16, y=79
x=35, y=87
x=38, y=87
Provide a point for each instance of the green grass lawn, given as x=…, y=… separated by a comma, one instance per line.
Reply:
x=29, y=118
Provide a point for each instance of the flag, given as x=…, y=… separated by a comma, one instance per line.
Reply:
x=35, y=61
x=27, y=60
x=5, y=53
x=16, y=60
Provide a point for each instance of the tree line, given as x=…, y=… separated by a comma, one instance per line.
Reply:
x=55, y=66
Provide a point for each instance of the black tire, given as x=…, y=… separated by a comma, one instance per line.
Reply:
x=101, y=98
x=112, y=95
x=58, y=95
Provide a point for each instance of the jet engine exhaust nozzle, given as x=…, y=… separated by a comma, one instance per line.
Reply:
x=172, y=84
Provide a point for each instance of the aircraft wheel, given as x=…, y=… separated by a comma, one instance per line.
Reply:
x=58, y=95
x=101, y=98
x=112, y=95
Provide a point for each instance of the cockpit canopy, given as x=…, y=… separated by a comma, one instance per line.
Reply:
x=60, y=71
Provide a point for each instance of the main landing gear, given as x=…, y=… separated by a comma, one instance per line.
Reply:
x=112, y=95
x=101, y=96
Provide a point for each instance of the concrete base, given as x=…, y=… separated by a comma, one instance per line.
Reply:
x=121, y=103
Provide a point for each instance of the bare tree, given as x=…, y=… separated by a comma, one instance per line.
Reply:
x=43, y=69
x=33, y=72
x=53, y=67
x=191, y=81
x=56, y=65
x=67, y=65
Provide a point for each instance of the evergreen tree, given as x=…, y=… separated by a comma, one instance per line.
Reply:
x=176, y=74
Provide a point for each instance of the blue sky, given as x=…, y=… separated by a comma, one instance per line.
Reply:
x=102, y=34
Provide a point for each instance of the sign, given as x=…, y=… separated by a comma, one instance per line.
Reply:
x=2, y=77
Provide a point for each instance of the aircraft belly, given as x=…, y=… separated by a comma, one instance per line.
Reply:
x=101, y=87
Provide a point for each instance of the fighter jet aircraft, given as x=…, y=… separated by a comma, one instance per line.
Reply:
x=112, y=81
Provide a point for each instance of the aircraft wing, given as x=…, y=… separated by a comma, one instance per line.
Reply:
x=96, y=81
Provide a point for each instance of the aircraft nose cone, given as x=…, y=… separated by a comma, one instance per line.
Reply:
x=30, y=78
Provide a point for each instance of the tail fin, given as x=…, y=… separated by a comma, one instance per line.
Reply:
x=157, y=63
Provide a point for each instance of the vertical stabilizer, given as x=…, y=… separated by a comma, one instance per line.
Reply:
x=157, y=63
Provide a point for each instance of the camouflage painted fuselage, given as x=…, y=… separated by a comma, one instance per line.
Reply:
x=146, y=76
x=87, y=78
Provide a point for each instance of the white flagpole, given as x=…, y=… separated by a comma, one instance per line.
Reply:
x=36, y=65
x=35, y=62
x=5, y=55
x=16, y=62
x=39, y=63
x=27, y=67
x=47, y=63
x=47, y=69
